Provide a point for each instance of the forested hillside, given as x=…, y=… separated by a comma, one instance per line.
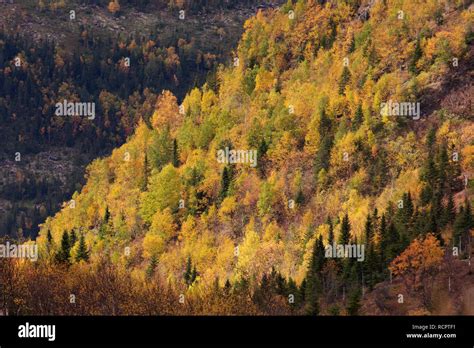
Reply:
x=227, y=202
x=119, y=58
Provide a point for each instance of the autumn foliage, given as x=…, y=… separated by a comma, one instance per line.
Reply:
x=418, y=264
x=331, y=168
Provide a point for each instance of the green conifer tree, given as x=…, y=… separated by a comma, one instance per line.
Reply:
x=417, y=54
x=354, y=305
x=225, y=183
x=82, y=252
x=188, y=273
x=72, y=238
x=64, y=253
x=176, y=161
x=344, y=80
x=49, y=237
x=345, y=235
x=449, y=211
x=150, y=271
x=358, y=117
x=314, y=276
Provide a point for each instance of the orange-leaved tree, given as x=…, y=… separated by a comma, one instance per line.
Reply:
x=114, y=7
x=417, y=265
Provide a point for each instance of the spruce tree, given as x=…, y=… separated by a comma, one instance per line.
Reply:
x=358, y=117
x=49, y=241
x=437, y=206
x=261, y=151
x=175, y=154
x=371, y=263
x=64, y=253
x=104, y=226
x=408, y=207
x=372, y=55
x=314, y=276
x=345, y=235
x=151, y=267
x=434, y=227
x=375, y=220
x=404, y=214
x=372, y=275
x=312, y=303
x=281, y=285
x=72, y=238
x=194, y=274
x=442, y=168
x=227, y=286
x=262, y=292
x=106, y=215
x=394, y=245
x=299, y=197
x=368, y=230
x=318, y=260
x=417, y=54
x=420, y=221
x=188, y=274
x=225, y=183
x=354, y=305
x=292, y=289
x=102, y=230
x=325, y=123
x=344, y=80
x=323, y=155
x=431, y=139
x=82, y=253
x=450, y=210
x=302, y=291
x=262, y=148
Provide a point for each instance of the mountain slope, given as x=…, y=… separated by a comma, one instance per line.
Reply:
x=306, y=92
x=76, y=50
